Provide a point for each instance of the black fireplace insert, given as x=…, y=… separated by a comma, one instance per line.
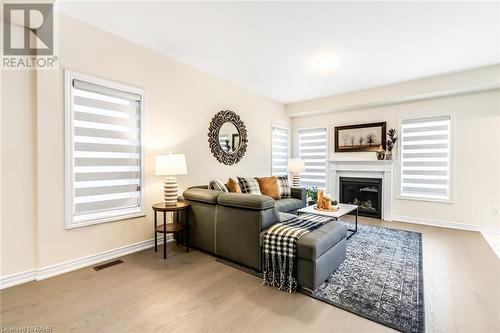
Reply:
x=364, y=192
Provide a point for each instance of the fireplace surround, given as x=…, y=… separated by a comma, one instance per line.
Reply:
x=364, y=169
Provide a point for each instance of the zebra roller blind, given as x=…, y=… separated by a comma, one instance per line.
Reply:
x=425, y=158
x=105, y=152
x=280, y=151
x=313, y=150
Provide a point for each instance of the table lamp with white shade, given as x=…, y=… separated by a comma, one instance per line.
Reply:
x=296, y=166
x=169, y=166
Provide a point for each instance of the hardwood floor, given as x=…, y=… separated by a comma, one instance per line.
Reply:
x=191, y=292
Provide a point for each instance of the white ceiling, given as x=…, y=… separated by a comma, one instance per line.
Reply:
x=273, y=48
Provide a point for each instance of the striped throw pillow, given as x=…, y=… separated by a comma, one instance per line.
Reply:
x=284, y=186
x=249, y=185
x=217, y=185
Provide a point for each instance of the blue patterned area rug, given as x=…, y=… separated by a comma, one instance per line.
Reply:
x=381, y=278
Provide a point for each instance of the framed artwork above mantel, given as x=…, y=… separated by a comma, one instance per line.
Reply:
x=360, y=137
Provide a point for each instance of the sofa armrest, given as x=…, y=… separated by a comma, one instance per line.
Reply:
x=201, y=195
x=300, y=193
x=246, y=201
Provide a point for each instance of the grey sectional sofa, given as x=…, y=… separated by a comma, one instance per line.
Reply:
x=296, y=202
x=231, y=226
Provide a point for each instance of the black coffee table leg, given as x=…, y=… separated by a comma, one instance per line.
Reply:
x=353, y=231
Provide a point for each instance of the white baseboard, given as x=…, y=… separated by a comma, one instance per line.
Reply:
x=68, y=266
x=17, y=278
x=446, y=224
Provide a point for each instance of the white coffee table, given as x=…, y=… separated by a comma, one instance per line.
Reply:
x=343, y=210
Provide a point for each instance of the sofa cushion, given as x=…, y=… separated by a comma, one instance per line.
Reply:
x=243, y=200
x=288, y=204
x=284, y=186
x=202, y=195
x=269, y=186
x=313, y=244
x=233, y=186
x=249, y=185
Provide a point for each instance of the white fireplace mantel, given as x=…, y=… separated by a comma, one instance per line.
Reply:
x=365, y=169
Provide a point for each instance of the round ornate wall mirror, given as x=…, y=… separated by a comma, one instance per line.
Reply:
x=227, y=137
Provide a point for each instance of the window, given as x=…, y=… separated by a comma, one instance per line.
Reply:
x=103, y=151
x=425, y=158
x=313, y=150
x=280, y=151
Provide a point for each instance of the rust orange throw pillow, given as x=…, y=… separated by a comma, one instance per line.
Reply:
x=233, y=186
x=269, y=186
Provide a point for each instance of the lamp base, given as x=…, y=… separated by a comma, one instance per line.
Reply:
x=295, y=180
x=170, y=190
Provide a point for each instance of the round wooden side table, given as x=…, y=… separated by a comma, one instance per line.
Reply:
x=171, y=228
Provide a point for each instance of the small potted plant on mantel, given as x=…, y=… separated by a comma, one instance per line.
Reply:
x=390, y=143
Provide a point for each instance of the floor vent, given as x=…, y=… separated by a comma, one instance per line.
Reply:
x=108, y=264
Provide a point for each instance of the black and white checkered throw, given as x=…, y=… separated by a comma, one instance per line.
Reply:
x=280, y=250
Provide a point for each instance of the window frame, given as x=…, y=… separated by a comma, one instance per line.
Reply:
x=273, y=126
x=69, y=223
x=327, y=157
x=451, y=159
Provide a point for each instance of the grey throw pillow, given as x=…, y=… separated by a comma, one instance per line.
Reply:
x=217, y=185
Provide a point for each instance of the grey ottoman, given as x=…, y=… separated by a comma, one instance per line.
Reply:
x=319, y=253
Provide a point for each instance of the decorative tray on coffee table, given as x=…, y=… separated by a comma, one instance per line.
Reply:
x=326, y=210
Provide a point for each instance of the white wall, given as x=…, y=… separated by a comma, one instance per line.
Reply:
x=180, y=102
x=18, y=176
x=476, y=124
